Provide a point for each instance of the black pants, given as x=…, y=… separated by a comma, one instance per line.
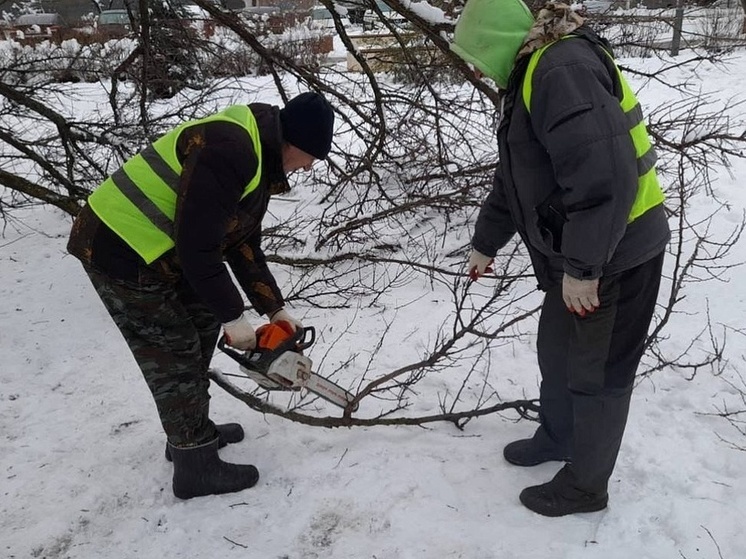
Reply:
x=588, y=366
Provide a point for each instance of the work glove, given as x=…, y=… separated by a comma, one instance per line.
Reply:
x=580, y=295
x=240, y=334
x=282, y=315
x=479, y=264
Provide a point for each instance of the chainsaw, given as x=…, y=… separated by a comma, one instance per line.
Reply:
x=278, y=362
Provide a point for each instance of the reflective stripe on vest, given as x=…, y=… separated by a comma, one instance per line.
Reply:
x=649, y=193
x=138, y=201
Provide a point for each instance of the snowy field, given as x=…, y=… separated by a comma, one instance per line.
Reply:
x=82, y=471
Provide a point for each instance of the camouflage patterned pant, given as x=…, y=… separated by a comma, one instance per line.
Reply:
x=172, y=336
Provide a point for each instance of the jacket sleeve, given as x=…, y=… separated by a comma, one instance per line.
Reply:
x=250, y=268
x=495, y=226
x=579, y=121
x=218, y=162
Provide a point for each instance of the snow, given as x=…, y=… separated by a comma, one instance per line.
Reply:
x=81, y=450
x=429, y=13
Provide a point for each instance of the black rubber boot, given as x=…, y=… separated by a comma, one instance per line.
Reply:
x=199, y=471
x=560, y=497
x=227, y=433
x=536, y=450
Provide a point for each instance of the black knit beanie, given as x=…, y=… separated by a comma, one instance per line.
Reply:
x=308, y=124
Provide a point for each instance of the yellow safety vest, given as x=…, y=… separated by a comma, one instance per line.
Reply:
x=649, y=192
x=138, y=201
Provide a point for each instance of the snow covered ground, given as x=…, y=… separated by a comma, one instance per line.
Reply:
x=82, y=472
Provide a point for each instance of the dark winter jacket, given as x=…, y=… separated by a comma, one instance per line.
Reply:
x=212, y=223
x=567, y=176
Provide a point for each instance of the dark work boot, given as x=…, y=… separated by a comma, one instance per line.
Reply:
x=536, y=450
x=199, y=471
x=227, y=433
x=560, y=497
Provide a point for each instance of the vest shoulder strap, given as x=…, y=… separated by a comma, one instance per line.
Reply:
x=603, y=53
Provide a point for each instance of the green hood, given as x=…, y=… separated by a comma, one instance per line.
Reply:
x=489, y=34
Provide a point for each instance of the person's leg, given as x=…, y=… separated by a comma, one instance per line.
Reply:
x=553, y=438
x=208, y=330
x=166, y=345
x=205, y=322
x=603, y=355
x=615, y=346
x=555, y=327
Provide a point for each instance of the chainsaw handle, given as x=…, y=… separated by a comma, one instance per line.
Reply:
x=302, y=342
x=230, y=352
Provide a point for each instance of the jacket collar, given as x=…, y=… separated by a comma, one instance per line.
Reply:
x=554, y=21
x=270, y=134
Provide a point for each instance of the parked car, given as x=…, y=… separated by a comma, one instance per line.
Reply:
x=113, y=24
x=322, y=18
x=373, y=21
x=355, y=10
x=598, y=6
x=39, y=27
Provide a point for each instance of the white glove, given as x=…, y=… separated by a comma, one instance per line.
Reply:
x=478, y=265
x=240, y=334
x=282, y=314
x=580, y=296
